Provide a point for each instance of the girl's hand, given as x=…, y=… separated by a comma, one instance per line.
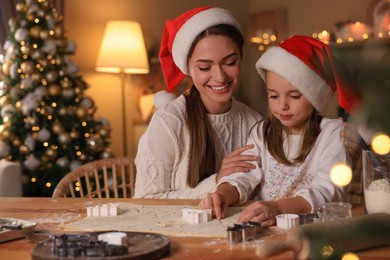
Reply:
x=216, y=202
x=236, y=162
x=263, y=212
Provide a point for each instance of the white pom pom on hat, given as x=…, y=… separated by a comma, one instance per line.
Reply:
x=162, y=98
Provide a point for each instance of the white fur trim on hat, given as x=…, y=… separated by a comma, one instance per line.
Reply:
x=193, y=27
x=162, y=98
x=295, y=71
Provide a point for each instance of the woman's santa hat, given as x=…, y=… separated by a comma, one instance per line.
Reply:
x=179, y=35
x=310, y=67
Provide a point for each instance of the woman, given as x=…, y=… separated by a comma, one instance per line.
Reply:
x=187, y=139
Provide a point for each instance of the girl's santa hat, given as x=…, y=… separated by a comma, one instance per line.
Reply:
x=179, y=35
x=310, y=67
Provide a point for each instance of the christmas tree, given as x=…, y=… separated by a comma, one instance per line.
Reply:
x=46, y=121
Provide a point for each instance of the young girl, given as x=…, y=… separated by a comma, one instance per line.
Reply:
x=190, y=137
x=297, y=146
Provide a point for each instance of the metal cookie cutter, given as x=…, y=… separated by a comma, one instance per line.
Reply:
x=243, y=232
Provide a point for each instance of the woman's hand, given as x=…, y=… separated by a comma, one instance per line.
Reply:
x=263, y=212
x=236, y=162
x=352, y=141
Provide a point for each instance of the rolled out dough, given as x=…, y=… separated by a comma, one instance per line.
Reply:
x=165, y=219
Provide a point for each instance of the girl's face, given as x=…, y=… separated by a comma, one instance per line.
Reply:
x=215, y=68
x=287, y=104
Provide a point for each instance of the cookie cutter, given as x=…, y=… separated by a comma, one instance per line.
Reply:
x=244, y=232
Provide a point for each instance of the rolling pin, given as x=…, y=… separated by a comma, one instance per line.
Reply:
x=330, y=240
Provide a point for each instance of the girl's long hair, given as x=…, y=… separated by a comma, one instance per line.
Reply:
x=274, y=134
x=202, y=148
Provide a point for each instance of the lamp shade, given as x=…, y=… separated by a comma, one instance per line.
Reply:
x=122, y=49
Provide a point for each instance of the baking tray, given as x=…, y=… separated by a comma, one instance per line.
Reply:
x=11, y=234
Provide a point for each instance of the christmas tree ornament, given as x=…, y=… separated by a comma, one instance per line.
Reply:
x=16, y=142
x=68, y=93
x=74, y=164
x=4, y=100
x=31, y=163
x=12, y=25
x=37, y=54
x=95, y=143
x=35, y=31
x=62, y=162
x=5, y=68
x=26, y=49
x=26, y=83
x=66, y=83
x=54, y=90
x=27, y=67
x=59, y=60
x=51, y=153
x=21, y=7
x=14, y=71
x=57, y=128
x=29, y=142
x=107, y=154
x=44, y=34
x=51, y=76
x=23, y=149
x=81, y=112
x=36, y=77
x=30, y=17
x=74, y=134
x=32, y=9
x=58, y=31
x=87, y=103
x=21, y=34
x=64, y=138
x=44, y=134
x=49, y=46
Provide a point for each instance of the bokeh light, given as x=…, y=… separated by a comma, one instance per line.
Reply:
x=349, y=256
x=341, y=174
x=381, y=144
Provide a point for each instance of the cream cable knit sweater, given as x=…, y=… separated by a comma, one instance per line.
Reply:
x=163, y=151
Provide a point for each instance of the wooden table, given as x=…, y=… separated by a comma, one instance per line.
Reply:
x=48, y=213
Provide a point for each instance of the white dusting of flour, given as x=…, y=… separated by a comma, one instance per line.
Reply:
x=377, y=197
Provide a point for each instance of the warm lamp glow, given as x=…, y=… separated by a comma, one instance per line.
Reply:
x=123, y=49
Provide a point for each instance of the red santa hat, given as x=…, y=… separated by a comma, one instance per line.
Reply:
x=179, y=35
x=310, y=67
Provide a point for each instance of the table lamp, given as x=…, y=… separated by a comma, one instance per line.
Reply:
x=123, y=51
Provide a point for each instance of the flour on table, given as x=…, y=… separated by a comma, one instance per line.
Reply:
x=165, y=219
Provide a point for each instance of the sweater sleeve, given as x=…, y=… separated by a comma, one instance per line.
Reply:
x=329, y=152
x=158, y=153
x=246, y=182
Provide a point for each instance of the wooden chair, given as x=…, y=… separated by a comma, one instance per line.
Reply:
x=105, y=178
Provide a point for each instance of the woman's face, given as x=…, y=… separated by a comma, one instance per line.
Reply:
x=215, y=68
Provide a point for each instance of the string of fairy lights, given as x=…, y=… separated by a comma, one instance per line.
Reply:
x=348, y=32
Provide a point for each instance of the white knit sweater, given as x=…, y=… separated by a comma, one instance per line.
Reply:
x=163, y=152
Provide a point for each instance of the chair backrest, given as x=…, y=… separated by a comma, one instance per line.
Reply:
x=105, y=178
